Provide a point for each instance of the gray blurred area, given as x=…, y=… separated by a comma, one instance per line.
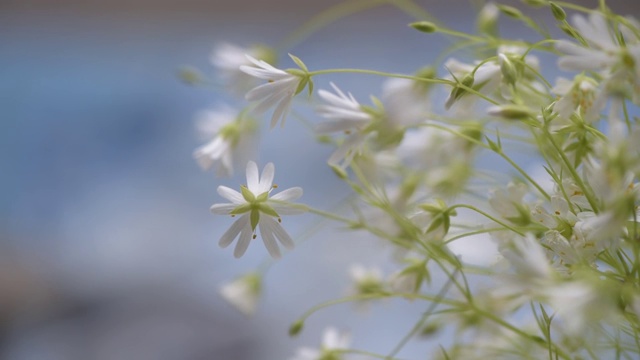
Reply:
x=107, y=248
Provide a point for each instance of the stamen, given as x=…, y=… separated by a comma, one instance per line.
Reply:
x=255, y=236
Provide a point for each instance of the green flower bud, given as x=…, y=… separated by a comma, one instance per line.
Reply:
x=424, y=26
x=510, y=112
x=508, y=69
x=190, y=75
x=557, y=11
x=536, y=3
x=296, y=328
x=510, y=11
x=487, y=22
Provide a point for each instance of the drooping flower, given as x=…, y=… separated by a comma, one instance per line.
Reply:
x=228, y=58
x=243, y=293
x=231, y=141
x=279, y=90
x=330, y=349
x=344, y=114
x=258, y=210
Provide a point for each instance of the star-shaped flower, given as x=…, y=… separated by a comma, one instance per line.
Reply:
x=280, y=89
x=258, y=210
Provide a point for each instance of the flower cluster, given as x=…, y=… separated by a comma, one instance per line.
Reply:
x=563, y=279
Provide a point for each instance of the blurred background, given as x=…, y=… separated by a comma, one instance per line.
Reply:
x=107, y=246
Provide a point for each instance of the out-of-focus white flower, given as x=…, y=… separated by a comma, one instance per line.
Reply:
x=232, y=139
x=366, y=280
x=509, y=203
x=603, y=52
x=579, y=94
x=404, y=101
x=344, y=114
x=243, y=293
x=560, y=213
x=228, y=58
x=257, y=209
x=332, y=343
x=279, y=90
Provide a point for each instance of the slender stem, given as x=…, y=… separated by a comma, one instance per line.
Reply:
x=470, y=207
x=574, y=174
x=326, y=17
x=423, y=319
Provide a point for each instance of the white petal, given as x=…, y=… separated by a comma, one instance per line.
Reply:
x=231, y=195
x=228, y=237
x=266, y=180
x=266, y=231
x=288, y=194
x=253, y=179
x=245, y=238
x=282, y=109
x=222, y=209
x=278, y=231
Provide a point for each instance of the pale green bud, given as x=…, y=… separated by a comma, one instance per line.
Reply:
x=508, y=70
x=424, y=26
x=557, y=11
x=535, y=3
x=190, y=75
x=296, y=328
x=510, y=11
x=510, y=112
x=488, y=19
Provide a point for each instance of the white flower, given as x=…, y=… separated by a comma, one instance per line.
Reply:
x=509, y=203
x=257, y=209
x=231, y=139
x=345, y=115
x=366, y=280
x=279, y=90
x=603, y=52
x=404, y=101
x=578, y=94
x=332, y=343
x=227, y=58
x=243, y=293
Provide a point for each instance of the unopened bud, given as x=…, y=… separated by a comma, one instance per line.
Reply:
x=424, y=26
x=557, y=11
x=190, y=75
x=508, y=70
x=510, y=112
x=510, y=11
x=296, y=328
x=535, y=2
x=488, y=19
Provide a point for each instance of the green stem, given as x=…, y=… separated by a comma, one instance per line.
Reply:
x=471, y=207
x=574, y=174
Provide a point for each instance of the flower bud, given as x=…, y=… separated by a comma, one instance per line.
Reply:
x=510, y=11
x=508, y=70
x=535, y=3
x=296, y=328
x=424, y=26
x=487, y=22
x=510, y=112
x=190, y=75
x=557, y=11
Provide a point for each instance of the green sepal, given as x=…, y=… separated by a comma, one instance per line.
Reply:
x=310, y=87
x=302, y=84
x=247, y=194
x=267, y=210
x=241, y=209
x=255, y=218
x=263, y=197
x=299, y=63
